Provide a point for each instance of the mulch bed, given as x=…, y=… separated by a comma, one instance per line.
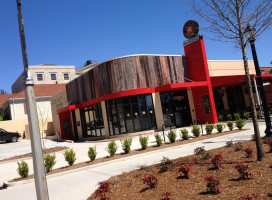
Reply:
x=132, y=152
x=27, y=155
x=130, y=185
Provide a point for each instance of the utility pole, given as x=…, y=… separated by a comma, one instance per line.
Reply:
x=35, y=138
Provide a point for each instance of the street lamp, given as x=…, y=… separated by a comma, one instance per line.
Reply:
x=250, y=33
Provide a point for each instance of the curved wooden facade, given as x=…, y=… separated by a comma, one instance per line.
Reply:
x=127, y=73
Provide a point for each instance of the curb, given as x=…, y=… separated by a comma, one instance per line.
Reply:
x=13, y=184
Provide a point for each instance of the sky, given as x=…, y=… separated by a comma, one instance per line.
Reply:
x=69, y=32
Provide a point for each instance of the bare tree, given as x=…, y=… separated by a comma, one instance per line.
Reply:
x=227, y=20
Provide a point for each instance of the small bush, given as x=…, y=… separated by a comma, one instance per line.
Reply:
x=158, y=139
x=218, y=161
x=219, y=127
x=49, y=162
x=150, y=180
x=240, y=123
x=185, y=169
x=195, y=130
x=229, y=117
x=206, y=155
x=209, y=128
x=23, y=169
x=220, y=118
x=126, y=144
x=250, y=197
x=238, y=146
x=165, y=162
x=230, y=125
x=229, y=143
x=143, y=141
x=246, y=115
x=172, y=135
x=249, y=152
x=213, y=184
x=243, y=170
x=103, y=190
x=259, y=114
x=236, y=116
x=92, y=153
x=184, y=134
x=166, y=195
x=199, y=150
x=70, y=156
x=112, y=148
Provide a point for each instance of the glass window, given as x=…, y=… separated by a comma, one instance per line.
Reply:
x=53, y=77
x=40, y=77
x=66, y=76
x=65, y=126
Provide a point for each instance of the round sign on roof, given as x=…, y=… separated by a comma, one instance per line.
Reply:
x=190, y=29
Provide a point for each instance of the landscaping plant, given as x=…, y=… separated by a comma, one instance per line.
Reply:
x=238, y=146
x=23, y=169
x=219, y=127
x=237, y=116
x=195, y=130
x=49, y=162
x=143, y=141
x=158, y=139
x=172, y=136
x=230, y=125
x=126, y=144
x=240, y=123
x=229, y=117
x=213, y=184
x=103, y=190
x=112, y=148
x=250, y=197
x=269, y=142
x=165, y=162
x=206, y=155
x=220, y=118
x=92, y=153
x=218, y=161
x=246, y=115
x=243, y=170
x=150, y=180
x=259, y=114
x=209, y=128
x=70, y=156
x=199, y=150
x=229, y=143
x=249, y=152
x=185, y=169
x=166, y=195
x=184, y=134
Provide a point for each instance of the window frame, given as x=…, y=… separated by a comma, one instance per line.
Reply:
x=67, y=76
x=41, y=76
x=51, y=74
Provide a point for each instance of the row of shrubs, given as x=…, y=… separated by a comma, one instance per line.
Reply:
x=213, y=183
x=236, y=116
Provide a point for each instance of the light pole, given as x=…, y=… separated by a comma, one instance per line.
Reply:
x=250, y=33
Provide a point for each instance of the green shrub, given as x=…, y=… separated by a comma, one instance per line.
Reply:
x=220, y=118
x=23, y=169
x=158, y=139
x=49, y=162
x=229, y=143
x=164, y=165
x=246, y=115
x=206, y=155
x=70, y=156
x=1, y=118
x=143, y=141
x=92, y=153
x=237, y=116
x=259, y=114
x=240, y=123
x=229, y=117
x=209, y=128
x=172, y=136
x=220, y=127
x=112, y=148
x=230, y=125
x=195, y=130
x=185, y=134
x=238, y=146
x=126, y=144
x=199, y=150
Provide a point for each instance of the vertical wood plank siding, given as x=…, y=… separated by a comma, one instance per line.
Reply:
x=126, y=73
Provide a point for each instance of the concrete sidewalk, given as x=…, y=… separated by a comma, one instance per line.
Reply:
x=81, y=183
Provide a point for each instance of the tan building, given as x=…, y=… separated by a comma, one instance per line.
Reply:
x=46, y=74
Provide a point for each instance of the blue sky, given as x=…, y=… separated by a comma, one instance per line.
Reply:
x=69, y=32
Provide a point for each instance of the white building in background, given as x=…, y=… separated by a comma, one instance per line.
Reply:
x=46, y=74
